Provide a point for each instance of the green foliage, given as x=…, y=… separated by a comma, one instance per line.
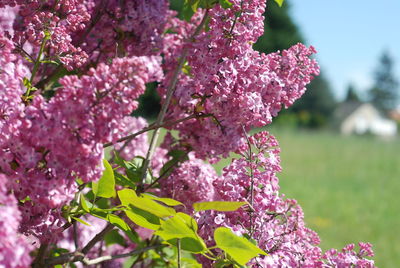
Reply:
x=105, y=187
x=239, y=248
x=218, y=205
x=157, y=213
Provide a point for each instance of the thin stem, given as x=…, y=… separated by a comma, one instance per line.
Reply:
x=37, y=62
x=97, y=238
x=170, y=92
x=155, y=126
x=79, y=256
x=164, y=174
x=252, y=180
x=179, y=252
x=75, y=230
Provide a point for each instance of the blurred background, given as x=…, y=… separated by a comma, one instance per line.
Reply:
x=340, y=142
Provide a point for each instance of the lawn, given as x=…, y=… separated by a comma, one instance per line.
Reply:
x=349, y=188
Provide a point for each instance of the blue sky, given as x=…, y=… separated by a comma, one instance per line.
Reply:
x=350, y=36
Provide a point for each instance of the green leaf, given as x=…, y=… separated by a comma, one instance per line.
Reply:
x=133, y=169
x=81, y=221
x=187, y=12
x=218, y=205
x=279, y=2
x=225, y=4
x=189, y=244
x=105, y=187
x=168, y=201
x=239, y=248
x=113, y=237
x=124, y=181
x=190, y=263
x=129, y=198
x=143, y=218
x=184, y=227
x=121, y=224
x=83, y=203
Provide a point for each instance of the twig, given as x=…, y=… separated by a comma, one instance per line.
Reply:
x=179, y=252
x=97, y=238
x=170, y=92
x=107, y=258
x=75, y=231
x=252, y=180
x=79, y=256
x=155, y=126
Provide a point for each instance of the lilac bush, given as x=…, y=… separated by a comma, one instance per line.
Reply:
x=82, y=181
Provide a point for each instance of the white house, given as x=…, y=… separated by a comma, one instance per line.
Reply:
x=362, y=118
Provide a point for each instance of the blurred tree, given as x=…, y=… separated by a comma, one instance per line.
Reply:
x=352, y=94
x=385, y=92
x=316, y=106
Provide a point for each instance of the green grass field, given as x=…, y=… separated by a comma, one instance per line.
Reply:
x=349, y=188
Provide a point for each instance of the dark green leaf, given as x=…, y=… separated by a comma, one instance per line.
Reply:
x=187, y=12
x=124, y=181
x=113, y=237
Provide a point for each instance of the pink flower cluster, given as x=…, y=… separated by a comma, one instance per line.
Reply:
x=276, y=223
x=14, y=247
x=194, y=177
x=235, y=84
x=50, y=143
x=125, y=28
x=57, y=19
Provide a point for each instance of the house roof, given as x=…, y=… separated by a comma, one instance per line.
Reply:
x=345, y=109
